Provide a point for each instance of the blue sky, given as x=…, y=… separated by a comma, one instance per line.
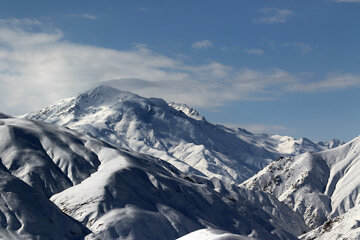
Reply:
x=287, y=67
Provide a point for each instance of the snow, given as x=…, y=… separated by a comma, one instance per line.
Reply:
x=173, y=132
x=133, y=196
x=281, y=145
x=213, y=234
x=46, y=157
x=161, y=171
x=346, y=226
x=105, y=192
x=27, y=214
x=321, y=186
x=190, y=112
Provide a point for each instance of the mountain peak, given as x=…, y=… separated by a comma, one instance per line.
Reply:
x=103, y=89
x=104, y=94
x=189, y=111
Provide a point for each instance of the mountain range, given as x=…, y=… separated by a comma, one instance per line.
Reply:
x=110, y=164
x=60, y=184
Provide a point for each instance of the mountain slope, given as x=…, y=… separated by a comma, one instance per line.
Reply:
x=318, y=185
x=27, y=214
x=133, y=196
x=345, y=226
x=117, y=193
x=48, y=158
x=175, y=133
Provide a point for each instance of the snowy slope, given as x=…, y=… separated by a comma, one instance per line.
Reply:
x=118, y=194
x=281, y=145
x=46, y=157
x=27, y=214
x=318, y=185
x=346, y=226
x=175, y=133
x=213, y=234
x=133, y=196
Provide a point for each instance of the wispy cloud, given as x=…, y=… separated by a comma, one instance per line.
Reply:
x=274, y=15
x=330, y=82
x=254, y=51
x=302, y=47
x=38, y=67
x=202, y=44
x=83, y=15
x=89, y=16
x=143, y=9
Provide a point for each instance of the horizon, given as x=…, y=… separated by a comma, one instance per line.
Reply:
x=279, y=67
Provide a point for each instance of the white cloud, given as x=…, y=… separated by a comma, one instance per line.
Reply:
x=274, y=15
x=38, y=67
x=254, y=51
x=202, y=44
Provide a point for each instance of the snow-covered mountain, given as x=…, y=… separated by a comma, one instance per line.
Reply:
x=111, y=193
x=172, y=132
x=321, y=186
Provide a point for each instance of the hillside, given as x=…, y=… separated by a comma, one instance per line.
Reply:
x=320, y=186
